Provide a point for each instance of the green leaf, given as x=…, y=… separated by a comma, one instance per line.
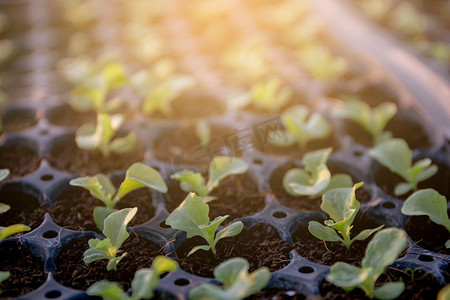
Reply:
x=138, y=176
x=402, y=188
x=346, y=276
x=12, y=229
x=447, y=244
x=296, y=177
x=100, y=213
x=315, y=159
x=427, y=173
x=323, y=233
x=339, y=181
x=92, y=254
x=229, y=231
x=191, y=182
x=115, y=225
x=4, y=208
x=114, y=75
x=366, y=233
x=228, y=272
x=3, y=174
x=203, y=132
x=107, y=290
x=124, y=144
x=162, y=264
x=210, y=229
x=281, y=138
x=444, y=294
x=201, y=247
x=86, y=137
x=395, y=155
x=222, y=167
x=320, y=183
x=390, y=290
x=430, y=203
x=4, y=275
x=113, y=262
x=99, y=186
x=191, y=213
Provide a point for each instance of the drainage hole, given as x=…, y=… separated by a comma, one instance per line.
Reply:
x=279, y=214
x=426, y=258
x=43, y=132
x=181, y=282
x=257, y=162
x=53, y=294
x=163, y=225
x=46, y=177
x=388, y=204
x=50, y=234
x=306, y=270
x=357, y=153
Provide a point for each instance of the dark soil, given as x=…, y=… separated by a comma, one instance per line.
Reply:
x=19, y=159
x=260, y=244
x=73, y=208
x=25, y=209
x=182, y=146
x=27, y=271
x=72, y=272
x=387, y=181
x=419, y=229
x=305, y=203
x=66, y=116
x=420, y=286
x=18, y=119
x=274, y=294
x=237, y=196
x=66, y=156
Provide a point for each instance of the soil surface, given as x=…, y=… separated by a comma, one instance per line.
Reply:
x=419, y=286
x=66, y=116
x=72, y=272
x=27, y=271
x=274, y=294
x=259, y=243
x=237, y=196
x=73, y=208
x=19, y=159
x=66, y=156
x=25, y=209
x=419, y=229
x=18, y=120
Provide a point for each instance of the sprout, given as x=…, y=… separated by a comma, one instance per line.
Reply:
x=341, y=205
x=428, y=202
x=203, y=132
x=101, y=188
x=382, y=251
x=315, y=179
x=143, y=285
x=100, y=136
x=219, y=168
x=395, y=155
x=299, y=128
x=270, y=95
x=115, y=231
x=320, y=62
x=372, y=120
x=192, y=216
x=237, y=282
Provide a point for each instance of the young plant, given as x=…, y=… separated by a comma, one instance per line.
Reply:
x=314, y=179
x=203, y=132
x=219, y=168
x=428, y=202
x=143, y=285
x=382, y=251
x=115, y=231
x=395, y=155
x=299, y=128
x=101, y=188
x=237, y=282
x=321, y=63
x=372, y=120
x=341, y=205
x=192, y=216
x=100, y=136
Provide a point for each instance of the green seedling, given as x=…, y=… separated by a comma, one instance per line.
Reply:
x=115, y=231
x=315, y=178
x=428, y=202
x=382, y=251
x=321, y=63
x=372, y=120
x=444, y=294
x=299, y=128
x=341, y=205
x=101, y=188
x=192, y=216
x=395, y=155
x=143, y=285
x=100, y=136
x=220, y=168
x=203, y=132
x=237, y=282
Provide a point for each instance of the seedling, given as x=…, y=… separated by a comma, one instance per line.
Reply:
x=203, y=132
x=101, y=188
x=192, y=216
x=444, y=294
x=143, y=285
x=299, y=128
x=237, y=282
x=395, y=155
x=341, y=205
x=100, y=136
x=220, y=168
x=115, y=231
x=314, y=179
x=321, y=63
x=382, y=251
x=428, y=202
x=372, y=120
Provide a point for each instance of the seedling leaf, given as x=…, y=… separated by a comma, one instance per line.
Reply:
x=390, y=290
x=12, y=229
x=222, y=167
